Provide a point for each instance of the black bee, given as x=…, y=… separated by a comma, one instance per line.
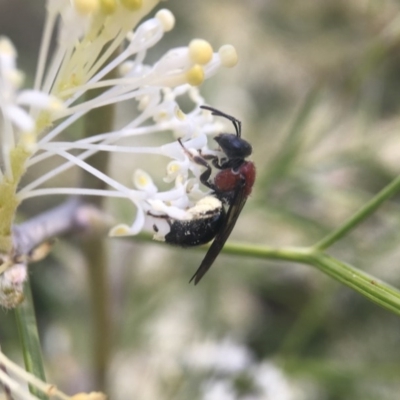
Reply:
x=208, y=216
x=230, y=188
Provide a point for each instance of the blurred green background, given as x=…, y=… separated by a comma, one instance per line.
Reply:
x=317, y=89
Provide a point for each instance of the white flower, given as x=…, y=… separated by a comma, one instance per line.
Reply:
x=272, y=382
x=235, y=373
x=226, y=356
x=221, y=389
x=88, y=34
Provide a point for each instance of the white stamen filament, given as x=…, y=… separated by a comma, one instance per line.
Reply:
x=86, y=47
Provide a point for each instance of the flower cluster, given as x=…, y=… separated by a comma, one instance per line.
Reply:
x=213, y=369
x=89, y=33
x=235, y=373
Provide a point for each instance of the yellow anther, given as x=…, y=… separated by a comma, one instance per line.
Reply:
x=143, y=102
x=180, y=114
x=120, y=230
x=132, y=5
x=15, y=77
x=200, y=51
x=179, y=180
x=229, y=57
x=195, y=75
x=6, y=47
x=89, y=396
x=166, y=19
x=142, y=180
x=173, y=167
x=160, y=116
x=108, y=6
x=86, y=6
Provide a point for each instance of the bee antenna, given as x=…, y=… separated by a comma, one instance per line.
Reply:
x=236, y=123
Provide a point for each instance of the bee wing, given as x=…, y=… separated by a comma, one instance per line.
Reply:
x=235, y=208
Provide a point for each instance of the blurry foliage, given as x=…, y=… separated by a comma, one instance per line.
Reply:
x=339, y=62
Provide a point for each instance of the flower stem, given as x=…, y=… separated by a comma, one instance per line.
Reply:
x=29, y=338
x=374, y=289
x=364, y=212
x=369, y=286
x=93, y=248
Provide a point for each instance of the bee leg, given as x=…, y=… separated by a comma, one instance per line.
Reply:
x=205, y=176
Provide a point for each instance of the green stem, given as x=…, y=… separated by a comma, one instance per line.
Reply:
x=374, y=289
x=96, y=257
x=98, y=121
x=364, y=212
x=297, y=254
x=29, y=338
x=369, y=286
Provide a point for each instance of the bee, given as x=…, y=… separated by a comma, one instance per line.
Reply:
x=215, y=216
